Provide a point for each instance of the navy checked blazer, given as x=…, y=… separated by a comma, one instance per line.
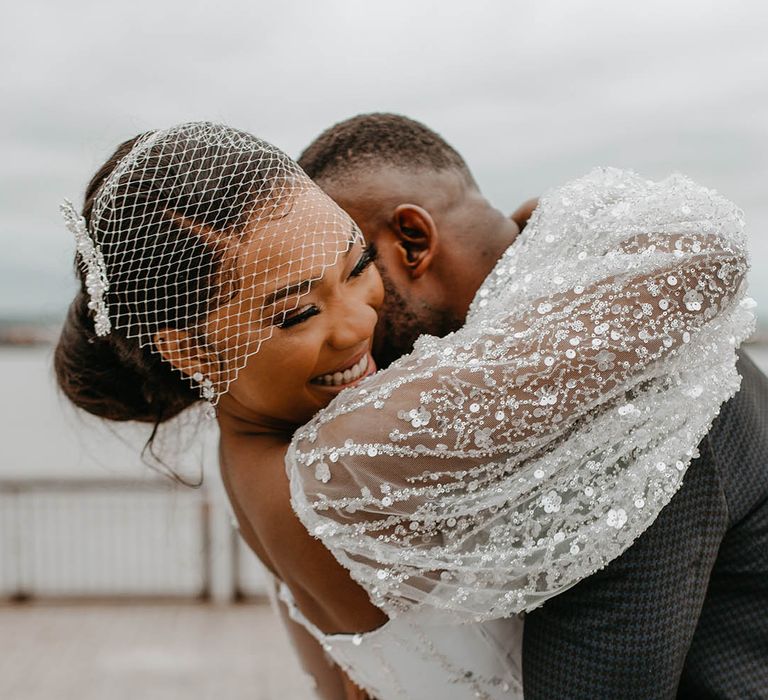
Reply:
x=683, y=613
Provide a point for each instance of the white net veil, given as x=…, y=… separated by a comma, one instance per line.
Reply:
x=208, y=236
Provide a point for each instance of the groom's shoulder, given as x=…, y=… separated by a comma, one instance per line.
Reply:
x=744, y=415
x=739, y=439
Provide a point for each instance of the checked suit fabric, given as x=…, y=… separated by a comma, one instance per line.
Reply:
x=683, y=613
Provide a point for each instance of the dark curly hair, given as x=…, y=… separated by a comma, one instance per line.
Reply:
x=368, y=141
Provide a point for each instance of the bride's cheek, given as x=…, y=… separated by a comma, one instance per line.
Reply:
x=377, y=292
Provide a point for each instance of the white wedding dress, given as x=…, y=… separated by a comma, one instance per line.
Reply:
x=494, y=468
x=412, y=658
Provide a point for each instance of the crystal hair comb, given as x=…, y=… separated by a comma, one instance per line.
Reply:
x=92, y=263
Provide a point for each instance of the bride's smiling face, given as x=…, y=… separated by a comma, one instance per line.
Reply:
x=308, y=300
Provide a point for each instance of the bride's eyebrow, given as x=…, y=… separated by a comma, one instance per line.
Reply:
x=304, y=286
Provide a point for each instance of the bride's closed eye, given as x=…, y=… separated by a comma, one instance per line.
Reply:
x=305, y=313
x=368, y=256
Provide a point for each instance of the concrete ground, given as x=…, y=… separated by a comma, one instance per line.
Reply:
x=140, y=651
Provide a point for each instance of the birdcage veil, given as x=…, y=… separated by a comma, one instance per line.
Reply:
x=209, y=234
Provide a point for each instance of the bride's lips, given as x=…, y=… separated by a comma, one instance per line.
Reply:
x=349, y=374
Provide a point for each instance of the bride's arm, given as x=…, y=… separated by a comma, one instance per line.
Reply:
x=411, y=480
x=548, y=362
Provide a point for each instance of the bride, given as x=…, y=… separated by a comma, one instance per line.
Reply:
x=429, y=505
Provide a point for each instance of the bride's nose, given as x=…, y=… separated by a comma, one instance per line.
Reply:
x=352, y=324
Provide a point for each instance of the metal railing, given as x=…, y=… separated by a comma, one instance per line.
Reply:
x=89, y=538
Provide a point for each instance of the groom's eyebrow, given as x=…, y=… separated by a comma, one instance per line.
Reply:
x=304, y=286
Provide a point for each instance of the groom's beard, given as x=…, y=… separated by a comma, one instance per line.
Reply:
x=401, y=323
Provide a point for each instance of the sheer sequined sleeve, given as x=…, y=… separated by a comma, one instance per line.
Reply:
x=498, y=466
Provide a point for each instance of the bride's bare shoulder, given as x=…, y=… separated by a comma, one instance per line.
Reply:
x=256, y=481
x=254, y=475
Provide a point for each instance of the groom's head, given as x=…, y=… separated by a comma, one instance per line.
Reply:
x=414, y=197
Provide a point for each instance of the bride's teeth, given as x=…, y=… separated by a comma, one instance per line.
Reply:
x=345, y=377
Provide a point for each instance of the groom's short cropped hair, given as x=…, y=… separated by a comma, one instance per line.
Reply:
x=370, y=141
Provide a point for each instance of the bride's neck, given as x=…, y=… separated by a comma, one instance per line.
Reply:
x=236, y=419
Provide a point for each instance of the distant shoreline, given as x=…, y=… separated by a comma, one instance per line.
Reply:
x=26, y=334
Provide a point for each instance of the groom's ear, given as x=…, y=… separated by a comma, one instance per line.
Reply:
x=416, y=234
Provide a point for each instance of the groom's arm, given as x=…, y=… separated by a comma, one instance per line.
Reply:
x=625, y=631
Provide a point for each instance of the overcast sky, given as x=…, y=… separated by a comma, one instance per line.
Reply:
x=532, y=94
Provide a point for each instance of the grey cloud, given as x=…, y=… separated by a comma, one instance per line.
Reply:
x=531, y=95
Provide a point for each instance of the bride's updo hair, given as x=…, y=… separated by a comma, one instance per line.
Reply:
x=121, y=376
x=111, y=376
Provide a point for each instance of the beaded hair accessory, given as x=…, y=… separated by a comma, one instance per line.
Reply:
x=92, y=263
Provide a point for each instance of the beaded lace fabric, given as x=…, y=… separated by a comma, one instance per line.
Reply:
x=492, y=469
x=208, y=230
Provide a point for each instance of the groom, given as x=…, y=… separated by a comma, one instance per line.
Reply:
x=684, y=612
